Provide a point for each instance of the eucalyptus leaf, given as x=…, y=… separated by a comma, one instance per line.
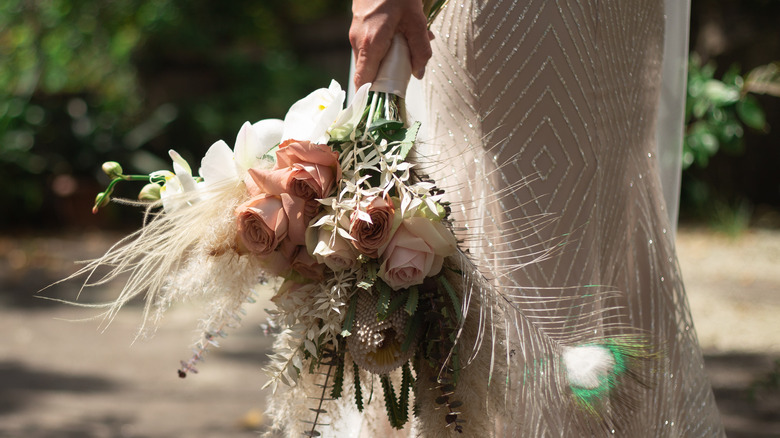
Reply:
x=410, y=136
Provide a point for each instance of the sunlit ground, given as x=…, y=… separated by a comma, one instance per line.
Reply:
x=69, y=379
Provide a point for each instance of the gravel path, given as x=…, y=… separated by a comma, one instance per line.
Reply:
x=60, y=378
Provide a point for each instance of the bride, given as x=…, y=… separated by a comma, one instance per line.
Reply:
x=541, y=119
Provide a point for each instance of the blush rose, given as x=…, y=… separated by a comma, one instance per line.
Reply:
x=416, y=251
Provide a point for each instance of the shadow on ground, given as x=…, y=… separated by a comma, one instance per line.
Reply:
x=109, y=426
x=85, y=404
x=22, y=385
x=749, y=403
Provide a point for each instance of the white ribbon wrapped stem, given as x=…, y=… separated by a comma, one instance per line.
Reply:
x=395, y=69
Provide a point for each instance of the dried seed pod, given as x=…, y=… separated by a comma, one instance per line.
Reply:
x=376, y=345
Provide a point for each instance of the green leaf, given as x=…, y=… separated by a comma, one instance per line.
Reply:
x=410, y=331
x=358, y=389
x=385, y=126
x=730, y=131
x=453, y=297
x=721, y=94
x=732, y=76
x=338, y=377
x=409, y=137
x=383, y=303
x=349, y=318
x=750, y=112
x=708, y=142
x=369, y=276
x=411, y=301
x=398, y=300
x=700, y=108
x=397, y=411
x=407, y=381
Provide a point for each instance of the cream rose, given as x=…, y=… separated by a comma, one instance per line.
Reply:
x=416, y=251
x=330, y=248
x=262, y=224
x=372, y=237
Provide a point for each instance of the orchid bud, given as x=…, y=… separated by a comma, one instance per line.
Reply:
x=101, y=200
x=112, y=169
x=150, y=192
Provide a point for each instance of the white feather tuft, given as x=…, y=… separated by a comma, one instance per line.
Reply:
x=587, y=366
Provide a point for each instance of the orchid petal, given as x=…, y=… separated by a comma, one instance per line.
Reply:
x=183, y=166
x=183, y=172
x=309, y=118
x=218, y=164
x=350, y=117
x=246, y=146
x=269, y=131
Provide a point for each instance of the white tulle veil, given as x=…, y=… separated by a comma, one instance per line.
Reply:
x=671, y=109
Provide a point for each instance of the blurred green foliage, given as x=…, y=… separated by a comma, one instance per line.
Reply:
x=717, y=113
x=718, y=110
x=82, y=82
x=87, y=81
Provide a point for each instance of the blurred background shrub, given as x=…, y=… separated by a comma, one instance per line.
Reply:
x=82, y=82
x=732, y=149
x=85, y=81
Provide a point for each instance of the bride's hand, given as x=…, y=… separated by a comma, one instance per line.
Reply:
x=374, y=22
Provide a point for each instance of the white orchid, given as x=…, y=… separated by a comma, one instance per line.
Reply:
x=310, y=118
x=176, y=183
x=222, y=165
x=344, y=126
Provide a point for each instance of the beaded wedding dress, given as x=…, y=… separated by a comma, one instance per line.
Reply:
x=541, y=119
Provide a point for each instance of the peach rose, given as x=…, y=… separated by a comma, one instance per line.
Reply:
x=262, y=224
x=303, y=169
x=416, y=251
x=372, y=237
x=303, y=180
x=291, y=152
x=299, y=217
x=272, y=182
x=315, y=168
x=299, y=260
x=303, y=263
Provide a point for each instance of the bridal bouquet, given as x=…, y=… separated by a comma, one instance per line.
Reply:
x=327, y=202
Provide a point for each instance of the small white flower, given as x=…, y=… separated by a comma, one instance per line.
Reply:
x=221, y=165
x=309, y=118
x=178, y=182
